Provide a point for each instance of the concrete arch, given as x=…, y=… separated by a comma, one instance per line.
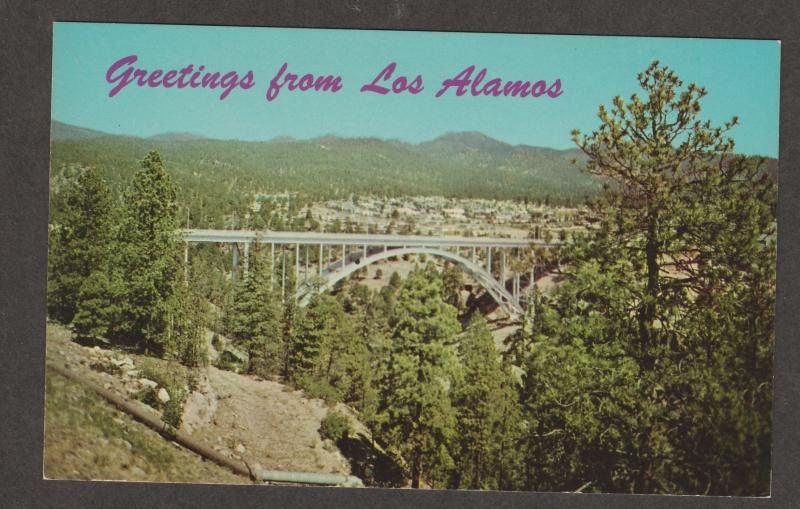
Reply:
x=496, y=289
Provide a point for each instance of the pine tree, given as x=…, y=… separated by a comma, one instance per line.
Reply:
x=189, y=322
x=289, y=320
x=81, y=242
x=328, y=358
x=487, y=414
x=97, y=308
x=255, y=319
x=149, y=257
x=656, y=151
x=418, y=418
x=649, y=369
x=304, y=352
x=370, y=348
x=453, y=280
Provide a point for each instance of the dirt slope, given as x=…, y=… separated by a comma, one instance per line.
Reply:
x=267, y=423
x=262, y=422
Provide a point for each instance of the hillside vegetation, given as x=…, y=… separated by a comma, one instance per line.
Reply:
x=453, y=165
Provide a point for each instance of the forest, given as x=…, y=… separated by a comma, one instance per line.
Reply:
x=647, y=370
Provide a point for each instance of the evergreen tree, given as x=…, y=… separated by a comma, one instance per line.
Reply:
x=81, y=241
x=659, y=154
x=189, y=322
x=149, y=257
x=371, y=349
x=97, y=308
x=649, y=369
x=487, y=415
x=329, y=358
x=255, y=319
x=289, y=320
x=587, y=419
x=304, y=348
x=453, y=280
x=418, y=418
x=395, y=281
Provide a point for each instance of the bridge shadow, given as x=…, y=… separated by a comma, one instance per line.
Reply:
x=370, y=464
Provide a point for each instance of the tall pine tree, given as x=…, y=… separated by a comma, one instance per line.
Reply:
x=254, y=319
x=81, y=242
x=149, y=257
x=417, y=415
x=649, y=370
x=488, y=417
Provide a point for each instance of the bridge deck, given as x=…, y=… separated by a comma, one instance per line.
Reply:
x=337, y=239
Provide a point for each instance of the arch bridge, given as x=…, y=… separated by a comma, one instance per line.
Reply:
x=323, y=259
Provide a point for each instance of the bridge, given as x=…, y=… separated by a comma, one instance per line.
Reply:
x=324, y=259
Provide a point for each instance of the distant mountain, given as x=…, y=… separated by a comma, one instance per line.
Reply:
x=282, y=139
x=61, y=131
x=472, y=142
x=468, y=141
x=179, y=136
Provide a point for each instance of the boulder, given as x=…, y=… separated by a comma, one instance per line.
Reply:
x=199, y=407
x=162, y=395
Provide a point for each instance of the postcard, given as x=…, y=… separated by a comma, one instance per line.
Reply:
x=420, y=260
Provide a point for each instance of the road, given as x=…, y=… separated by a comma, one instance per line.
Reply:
x=338, y=239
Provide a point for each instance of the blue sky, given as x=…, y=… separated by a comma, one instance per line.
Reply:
x=742, y=77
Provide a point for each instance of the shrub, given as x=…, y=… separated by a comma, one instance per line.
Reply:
x=216, y=342
x=193, y=352
x=316, y=388
x=111, y=368
x=173, y=409
x=335, y=426
x=227, y=362
x=171, y=377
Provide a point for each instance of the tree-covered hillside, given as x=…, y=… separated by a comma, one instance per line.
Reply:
x=454, y=165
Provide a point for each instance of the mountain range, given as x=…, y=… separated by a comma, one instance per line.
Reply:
x=461, y=164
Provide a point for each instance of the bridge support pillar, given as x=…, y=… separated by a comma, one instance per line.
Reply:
x=296, y=265
x=474, y=255
x=489, y=261
x=305, y=275
x=320, y=259
x=246, y=257
x=344, y=255
x=283, y=272
x=503, y=268
x=272, y=268
x=235, y=261
x=186, y=263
